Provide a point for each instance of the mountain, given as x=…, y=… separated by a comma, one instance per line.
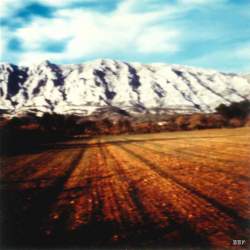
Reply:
x=129, y=88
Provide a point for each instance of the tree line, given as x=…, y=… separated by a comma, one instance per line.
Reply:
x=19, y=132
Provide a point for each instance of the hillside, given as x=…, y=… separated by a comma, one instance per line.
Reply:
x=129, y=88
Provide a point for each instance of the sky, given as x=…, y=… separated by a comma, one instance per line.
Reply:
x=204, y=33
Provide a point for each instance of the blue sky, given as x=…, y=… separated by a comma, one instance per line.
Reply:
x=204, y=33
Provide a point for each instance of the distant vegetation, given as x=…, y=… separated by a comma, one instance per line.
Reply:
x=27, y=133
x=235, y=110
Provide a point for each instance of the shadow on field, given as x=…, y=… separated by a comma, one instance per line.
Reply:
x=24, y=211
x=64, y=145
x=18, y=142
x=24, y=228
x=31, y=142
x=25, y=216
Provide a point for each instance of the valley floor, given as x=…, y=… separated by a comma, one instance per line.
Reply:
x=166, y=190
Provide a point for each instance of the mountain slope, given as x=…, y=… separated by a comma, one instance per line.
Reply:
x=132, y=87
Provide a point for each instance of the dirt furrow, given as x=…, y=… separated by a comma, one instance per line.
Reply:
x=205, y=217
x=43, y=173
x=208, y=188
x=20, y=168
x=238, y=170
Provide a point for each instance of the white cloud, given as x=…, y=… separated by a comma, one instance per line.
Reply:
x=2, y=46
x=226, y=60
x=142, y=28
x=4, y=40
x=40, y=31
x=36, y=57
x=158, y=40
x=93, y=33
x=14, y=4
x=142, y=5
x=201, y=2
x=243, y=52
x=62, y=3
x=9, y=7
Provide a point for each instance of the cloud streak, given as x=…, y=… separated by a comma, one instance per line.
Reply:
x=89, y=32
x=148, y=31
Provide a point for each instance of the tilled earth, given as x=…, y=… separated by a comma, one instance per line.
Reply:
x=166, y=190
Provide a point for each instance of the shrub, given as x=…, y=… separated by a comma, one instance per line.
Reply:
x=197, y=121
x=235, y=122
x=181, y=122
x=235, y=110
x=215, y=121
x=247, y=121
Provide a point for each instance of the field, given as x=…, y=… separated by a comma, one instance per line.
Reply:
x=179, y=189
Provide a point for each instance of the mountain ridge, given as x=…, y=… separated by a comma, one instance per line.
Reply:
x=133, y=87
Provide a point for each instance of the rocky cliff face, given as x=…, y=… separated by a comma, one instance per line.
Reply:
x=132, y=87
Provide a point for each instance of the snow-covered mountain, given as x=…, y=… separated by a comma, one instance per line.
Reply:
x=103, y=84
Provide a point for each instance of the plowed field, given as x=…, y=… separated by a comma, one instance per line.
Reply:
x=167, y=190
